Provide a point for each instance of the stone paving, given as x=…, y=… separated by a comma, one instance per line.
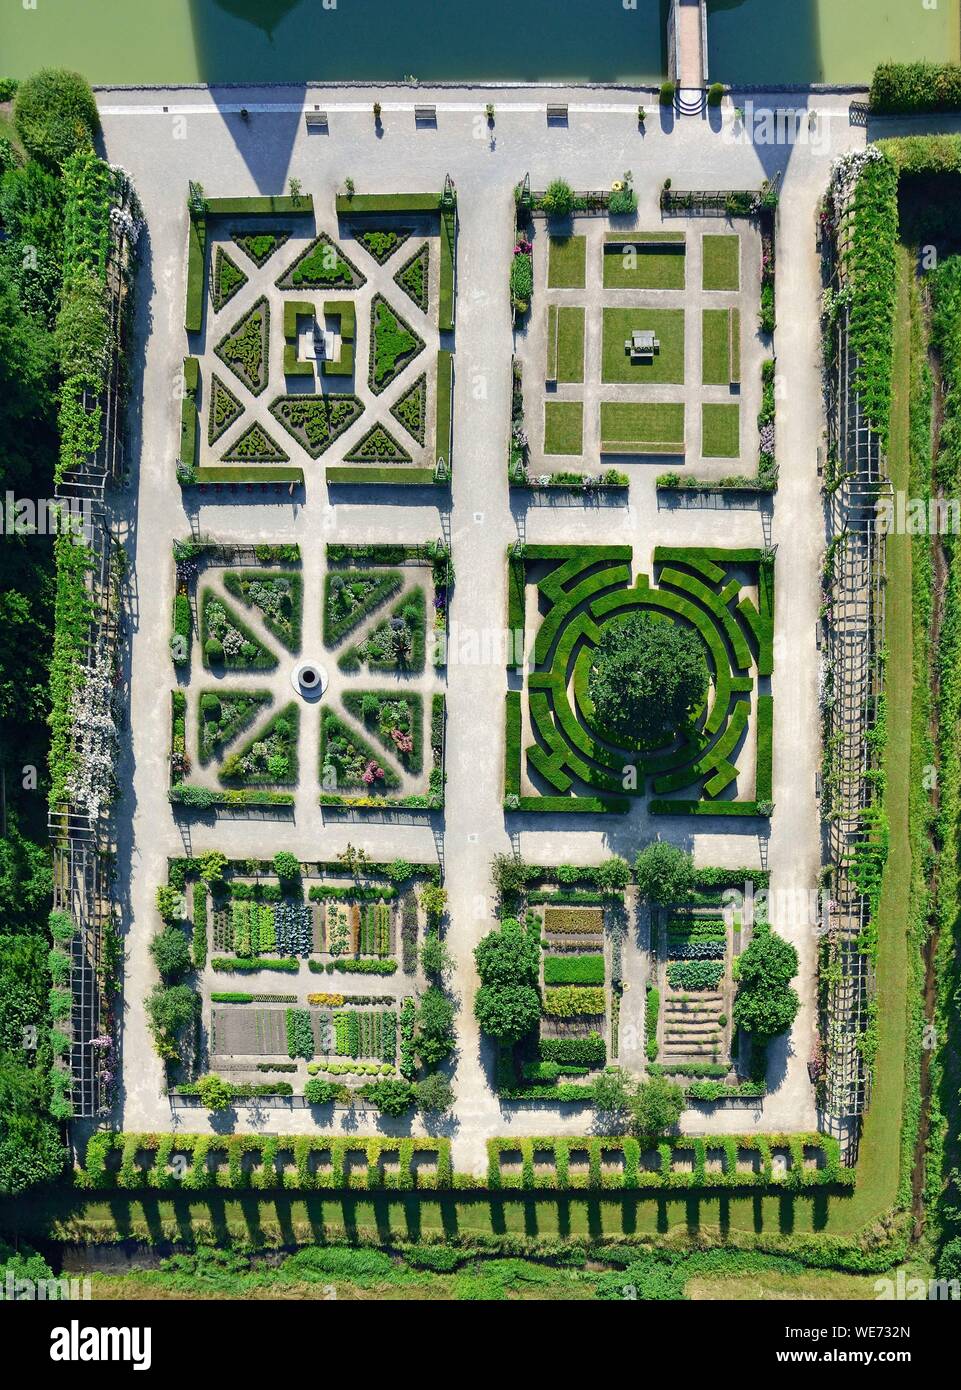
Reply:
x=205, y=139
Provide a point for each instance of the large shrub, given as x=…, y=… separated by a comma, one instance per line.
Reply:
x=766, y=1004
x=559, y=198
x=171, y=954
x=656, y=1106
x=647, y=676
x=664, y=873
x=55, y=114
x=507, y=1012
x=435, y=1027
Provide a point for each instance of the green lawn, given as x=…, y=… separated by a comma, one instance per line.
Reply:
x=637, y=268
x=716, y=347
x=668, y=363
x=721, y=261
x=567, y=263
x=720, y=431
x=651, y=427
x=563, y=427
x=570, y=344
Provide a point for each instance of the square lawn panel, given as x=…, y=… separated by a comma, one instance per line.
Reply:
x=570, y=343
x=667, y=365
x=563, y=427
x=716, y=347
x=720, y=266
x=566, y=262
x=646, y=267
x=721, y=431
x=652, y=427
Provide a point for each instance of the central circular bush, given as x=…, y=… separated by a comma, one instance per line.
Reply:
x=647, y=677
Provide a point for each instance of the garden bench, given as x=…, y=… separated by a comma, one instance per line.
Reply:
x=316, y=120
x=425, y=115
x=556, y=112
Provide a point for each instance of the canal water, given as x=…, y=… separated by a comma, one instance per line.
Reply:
x=750, y=41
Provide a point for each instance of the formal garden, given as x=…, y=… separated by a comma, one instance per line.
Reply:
x=252, y=669
x=640, y=686
x=318, y=343
x=621, y=986
x=603, y=372
x=324, y=981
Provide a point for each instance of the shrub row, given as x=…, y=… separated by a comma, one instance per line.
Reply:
x=594, y=1149
x=272, y=1151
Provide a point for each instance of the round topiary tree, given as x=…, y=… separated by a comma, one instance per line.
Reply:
x=647, y=676
x=55, y=114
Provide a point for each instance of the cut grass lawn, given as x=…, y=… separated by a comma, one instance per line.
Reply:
x=716, y=347
x=563, y=427
x=720, y=267
x=720, y=430
x=667, y=365
x=567, y=263
x=642, y=427
x=565, y=343
x=640, y=267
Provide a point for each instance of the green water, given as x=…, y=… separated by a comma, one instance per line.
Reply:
x=836, y=41
x=750, y=41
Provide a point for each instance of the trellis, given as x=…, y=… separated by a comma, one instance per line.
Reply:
x=81, y=844
x=855, y=646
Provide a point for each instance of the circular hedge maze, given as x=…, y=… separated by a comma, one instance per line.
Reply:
x=561, y=758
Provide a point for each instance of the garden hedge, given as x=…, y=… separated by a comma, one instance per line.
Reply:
x=299, y=1151
x=633, y=1176
x=914, y=88
x=443, y=439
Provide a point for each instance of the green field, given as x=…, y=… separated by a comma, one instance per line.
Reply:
x=642, y=268
x=667, y=364
x=565, y=343
x=652, y=427
x=720, y=268
x=720, y=430
x=716, y=347
x=563, y=427
x=567, y=263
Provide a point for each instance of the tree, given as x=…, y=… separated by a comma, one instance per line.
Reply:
x=31, y=1149
x=433, y=899
x=26, y=880
x=171, y=954
x=647, y=676
x=435, y=1094
x=613, y=875
x=509, y=955
x=511, y=875
x=766, y=1004
x=656, y=1106
x=286, y=866
x=507, y=1012
x=612, y=1094
x=215, y=1092
x=435, y=958
x=54, y=114
x=392, y=1097
x=213, y=864
x=170, y=1009
x=435, y=1027
x=664, y=873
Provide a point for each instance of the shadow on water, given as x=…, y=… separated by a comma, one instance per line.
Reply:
x=303, y=40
